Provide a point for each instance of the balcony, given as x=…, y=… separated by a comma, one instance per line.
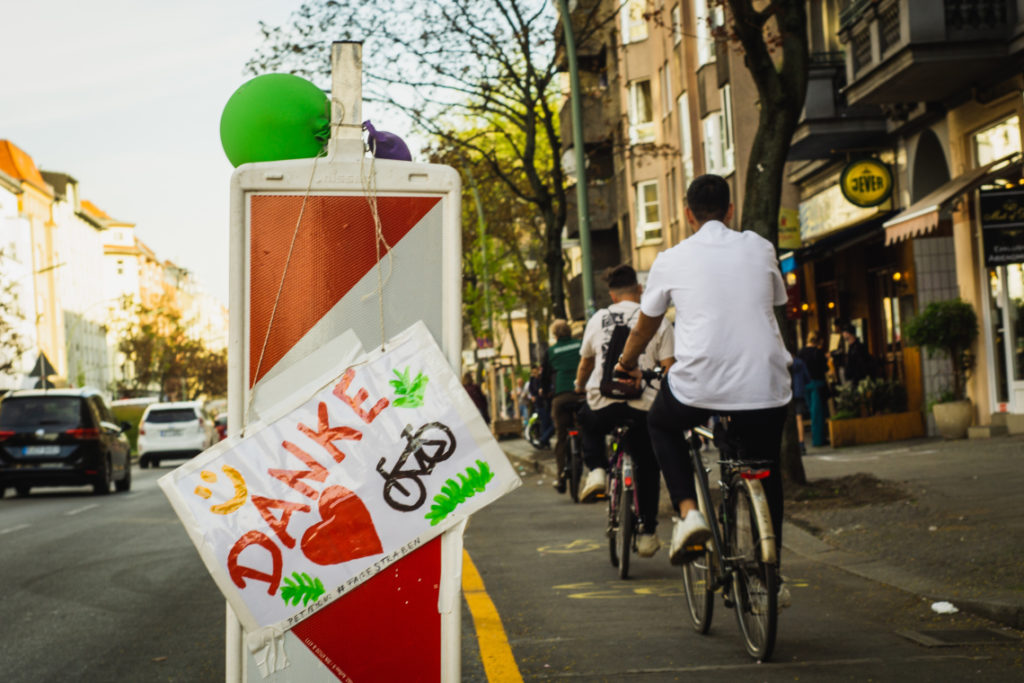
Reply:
x=905, y=51
x=828, y=125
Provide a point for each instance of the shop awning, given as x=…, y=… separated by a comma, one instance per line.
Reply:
x=922, y=217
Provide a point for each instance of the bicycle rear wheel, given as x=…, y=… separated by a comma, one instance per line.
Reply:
x=614, y=486
x=625, y=535
x=755, y=582
x=698, y=580
x=574, y=464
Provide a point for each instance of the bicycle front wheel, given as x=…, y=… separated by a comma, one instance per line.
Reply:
x=698, y=580
x=755, y=582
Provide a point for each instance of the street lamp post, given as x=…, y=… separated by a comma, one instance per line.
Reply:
x=581, y=171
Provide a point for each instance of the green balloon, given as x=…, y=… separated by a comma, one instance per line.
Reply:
x=275, y=117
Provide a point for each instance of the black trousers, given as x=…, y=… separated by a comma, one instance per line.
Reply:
x=760, y=432
x=595, y=424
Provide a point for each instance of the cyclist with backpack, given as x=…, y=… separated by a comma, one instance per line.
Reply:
x=610, y=402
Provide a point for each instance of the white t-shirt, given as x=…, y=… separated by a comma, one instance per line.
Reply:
x=596, y=336
x=729, y=352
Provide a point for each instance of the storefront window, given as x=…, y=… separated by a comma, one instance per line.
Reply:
x=998, y=335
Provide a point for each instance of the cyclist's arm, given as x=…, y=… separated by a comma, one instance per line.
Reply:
x=639, y=337
x=583, y=371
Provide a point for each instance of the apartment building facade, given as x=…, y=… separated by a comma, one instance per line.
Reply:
x=931, y=91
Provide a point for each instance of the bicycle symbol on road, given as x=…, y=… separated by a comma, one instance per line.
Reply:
x=430, y=444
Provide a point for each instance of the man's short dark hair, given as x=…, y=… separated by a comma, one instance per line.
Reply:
x=849, y=329
x=621, y=277
x=708, y=197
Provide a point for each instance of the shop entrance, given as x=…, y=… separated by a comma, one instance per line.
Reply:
x=1006, y=336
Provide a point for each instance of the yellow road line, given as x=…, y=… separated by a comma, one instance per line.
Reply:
x=499, y=664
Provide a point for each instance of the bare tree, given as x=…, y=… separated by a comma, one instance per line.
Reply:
x=488, y=65
x=13, y=343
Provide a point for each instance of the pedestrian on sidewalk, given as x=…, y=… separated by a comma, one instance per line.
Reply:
x=816, y=391
x=801, y=378
x=541, y=406
x=477, y=394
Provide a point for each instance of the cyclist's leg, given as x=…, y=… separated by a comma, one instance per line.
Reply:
x=667, y=421
x=594, y=425
x=562, y=407
x=760, y=432
x=647, y=472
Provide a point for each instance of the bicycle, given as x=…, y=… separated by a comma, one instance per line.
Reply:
x=623, y=499
x=740, y=559
x=573, y=470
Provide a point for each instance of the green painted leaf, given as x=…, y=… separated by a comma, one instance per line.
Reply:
x=301, y=588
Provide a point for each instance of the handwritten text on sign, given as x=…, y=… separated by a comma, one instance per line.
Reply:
x=378, y=461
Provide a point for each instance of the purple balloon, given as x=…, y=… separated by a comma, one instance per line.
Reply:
x=384, y=145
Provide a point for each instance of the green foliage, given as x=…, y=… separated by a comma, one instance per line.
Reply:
x=454, y=493
x=161, y=356
x=304, y=588
x=870, y=397
x=949, y=327
x=409, y=391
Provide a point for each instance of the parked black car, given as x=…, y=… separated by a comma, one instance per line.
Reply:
x=62, y=437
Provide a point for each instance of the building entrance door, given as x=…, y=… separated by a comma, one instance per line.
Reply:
x=1006, y=336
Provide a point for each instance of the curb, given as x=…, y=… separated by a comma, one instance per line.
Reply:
x=797, y=540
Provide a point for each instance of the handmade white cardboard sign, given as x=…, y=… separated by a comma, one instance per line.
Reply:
x=383, y=455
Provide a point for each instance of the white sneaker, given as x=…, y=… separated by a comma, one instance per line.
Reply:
x=647, y=545
x=784, y=599
x=596, y=482
x=689, y=536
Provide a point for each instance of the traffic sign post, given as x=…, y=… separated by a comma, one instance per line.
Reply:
x=330, y=257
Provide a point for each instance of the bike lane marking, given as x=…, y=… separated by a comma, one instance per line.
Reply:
x=84, y=508
x=495, y=651
x=12, y=529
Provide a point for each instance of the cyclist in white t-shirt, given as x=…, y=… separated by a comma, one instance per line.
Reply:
x=730, y=357
x=602, y=414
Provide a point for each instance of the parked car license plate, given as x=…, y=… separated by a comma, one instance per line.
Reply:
x=171, y=432
x=41, y=450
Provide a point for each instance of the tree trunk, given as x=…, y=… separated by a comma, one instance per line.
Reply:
x=782, y=88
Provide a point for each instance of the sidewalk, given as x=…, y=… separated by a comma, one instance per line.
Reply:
x=957, y=536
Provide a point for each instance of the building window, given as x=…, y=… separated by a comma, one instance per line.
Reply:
x=641, y=113
x=677, y=25
x=998, y=141
x=708, y=19
x=673, y=193
x=685, y=146
x=719, y=155
x=666, y=90
x=634, y=25
x=648, y=212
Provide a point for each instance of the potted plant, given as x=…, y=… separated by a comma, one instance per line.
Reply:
x=950, y=327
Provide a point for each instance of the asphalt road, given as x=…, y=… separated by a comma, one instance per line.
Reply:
x=104, y=588
x=544, y=561
x=110, y=589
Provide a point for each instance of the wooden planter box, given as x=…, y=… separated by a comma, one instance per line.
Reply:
x=875, y=429
x=507, y=428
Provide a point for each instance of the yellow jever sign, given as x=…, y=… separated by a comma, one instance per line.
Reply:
x=866, y=182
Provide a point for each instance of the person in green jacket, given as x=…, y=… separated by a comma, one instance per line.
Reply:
x=560, y=375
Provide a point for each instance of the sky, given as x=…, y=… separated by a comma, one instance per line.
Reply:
x=126, y=97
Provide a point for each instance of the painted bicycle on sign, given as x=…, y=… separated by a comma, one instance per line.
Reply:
x=429, y=445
